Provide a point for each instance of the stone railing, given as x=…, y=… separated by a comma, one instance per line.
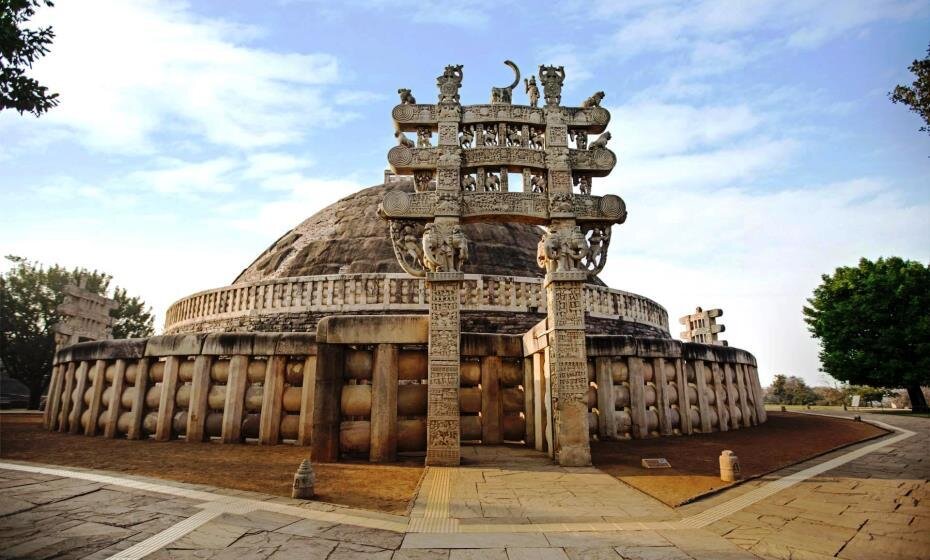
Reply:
x=358, y=388
x=398, y=293
x=229, y=386
x=643, y=387
x=358, y=392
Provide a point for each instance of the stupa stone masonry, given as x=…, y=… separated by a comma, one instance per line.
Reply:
x=457, y=303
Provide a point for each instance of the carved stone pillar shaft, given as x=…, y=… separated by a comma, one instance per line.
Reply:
x=568, y=367
x=442, y=425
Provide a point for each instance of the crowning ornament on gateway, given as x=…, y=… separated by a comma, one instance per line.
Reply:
x=464, y=178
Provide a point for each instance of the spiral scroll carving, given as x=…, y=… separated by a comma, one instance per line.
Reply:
x=599, y=115
x=604, y=159
x=403, y=113
x=396, y=203
x=400, y=156
x=612, y=206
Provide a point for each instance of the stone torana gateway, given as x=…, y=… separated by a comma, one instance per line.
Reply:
x=457, y=303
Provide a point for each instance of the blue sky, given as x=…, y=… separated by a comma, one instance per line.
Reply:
x=757, y=146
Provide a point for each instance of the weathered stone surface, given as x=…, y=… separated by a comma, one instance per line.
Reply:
x=348, y=237
x=373, y=329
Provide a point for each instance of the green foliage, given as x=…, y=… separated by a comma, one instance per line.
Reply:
x=867, y=394
x=873, y=322
x=29, y=296
x=790, y=390
x=830, y=396
x=917, y=95
x=20, y=47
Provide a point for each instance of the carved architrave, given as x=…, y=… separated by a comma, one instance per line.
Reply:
x=597, y=163
x=482, y=114
x=593, y=119
x=415, y=115
x=513, y=157
x=404, y=160
x=531, y=207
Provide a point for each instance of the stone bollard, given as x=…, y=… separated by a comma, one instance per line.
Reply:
x=303, y=481
x=783, y=409
x=857, y=418
x=729, y=466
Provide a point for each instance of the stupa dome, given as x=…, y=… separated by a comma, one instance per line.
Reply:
x=341, y=261
x=348, y=237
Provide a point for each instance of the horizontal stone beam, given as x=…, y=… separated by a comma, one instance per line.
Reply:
x=373, y=329
x=524, y=207
x=408, y=118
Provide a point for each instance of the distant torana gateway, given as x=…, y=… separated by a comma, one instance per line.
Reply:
x=459, y=302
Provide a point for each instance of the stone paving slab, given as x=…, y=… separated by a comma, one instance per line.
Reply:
x=877, y=506
x=68, y=518
x=871, y=504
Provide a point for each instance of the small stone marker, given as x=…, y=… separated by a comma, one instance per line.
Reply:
x=303, y=481
x=657, y=463
x=729, y=466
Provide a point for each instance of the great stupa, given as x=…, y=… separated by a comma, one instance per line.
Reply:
x=458, y=303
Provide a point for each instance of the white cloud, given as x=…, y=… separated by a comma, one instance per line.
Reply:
x=462, y=13
x=301, y=196
x=673, y=24
x=648, y=128
x=128, y=71
x=182, y=177
x=759, y=255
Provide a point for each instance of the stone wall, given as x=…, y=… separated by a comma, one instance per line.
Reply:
x=298, y=304
x=358, y=388
x=643, y=387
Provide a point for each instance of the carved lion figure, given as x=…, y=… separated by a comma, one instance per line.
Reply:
x=593, y=101
x=402, y=140
x=600, y=143
x=406, y=98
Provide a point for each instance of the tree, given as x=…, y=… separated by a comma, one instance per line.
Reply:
x=19, y=48
x=777, y=393
x=29, y=296
x=873, y=322
x=917, y=95
x=790, y=390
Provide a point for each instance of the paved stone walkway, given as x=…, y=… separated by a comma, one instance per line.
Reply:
x=869, y=501
x=877, y=506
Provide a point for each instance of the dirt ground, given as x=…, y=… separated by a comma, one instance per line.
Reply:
x=783, y=440
x=269, y=469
